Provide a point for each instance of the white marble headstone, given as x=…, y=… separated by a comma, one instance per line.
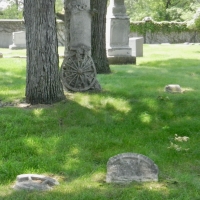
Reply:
x=19, y=40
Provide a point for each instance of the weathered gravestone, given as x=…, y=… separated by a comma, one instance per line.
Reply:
x=128, y=167
x=1, y=55
x=117, y=34
x=19, y=40
x=34, y=182
x=78, y=71
x=173, y=88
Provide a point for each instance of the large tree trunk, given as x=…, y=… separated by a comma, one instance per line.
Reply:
x=98, y=35
x=43, y=84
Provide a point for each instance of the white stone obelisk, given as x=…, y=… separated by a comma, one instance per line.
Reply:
x=117, y=34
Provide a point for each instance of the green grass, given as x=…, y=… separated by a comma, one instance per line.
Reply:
x=73, y=140
x=21, y=52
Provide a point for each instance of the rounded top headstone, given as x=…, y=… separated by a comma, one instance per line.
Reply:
x=129, y=167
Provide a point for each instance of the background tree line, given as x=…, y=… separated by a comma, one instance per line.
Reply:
x=160, y=10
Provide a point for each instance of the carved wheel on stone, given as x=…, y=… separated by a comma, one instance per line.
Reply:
x=78, y=72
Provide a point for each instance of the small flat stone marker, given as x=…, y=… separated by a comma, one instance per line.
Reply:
x=34, y=182
x=173, y=88
x=128, y=167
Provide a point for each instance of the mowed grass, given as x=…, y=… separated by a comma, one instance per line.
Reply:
x=73, y=140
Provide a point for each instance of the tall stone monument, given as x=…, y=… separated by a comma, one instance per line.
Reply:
x=117, y=34
x=78, y=71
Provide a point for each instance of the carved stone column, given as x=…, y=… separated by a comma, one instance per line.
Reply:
x=117, y=34
x=78, y=71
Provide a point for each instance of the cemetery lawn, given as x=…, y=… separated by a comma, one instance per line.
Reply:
x=73, y=140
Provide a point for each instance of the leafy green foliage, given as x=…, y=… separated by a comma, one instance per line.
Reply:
x=59, y=6
x=15, y=9
x=165, y=26
x=162, y=10
x=137, y=10
x=195, y=22
x=11, y=12
x=197, y=19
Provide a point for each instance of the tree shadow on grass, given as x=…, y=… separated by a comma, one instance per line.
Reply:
x=73, y=141
x=74, y=149
x=11, y=80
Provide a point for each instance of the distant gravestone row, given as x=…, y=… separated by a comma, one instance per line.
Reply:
x=120, y=48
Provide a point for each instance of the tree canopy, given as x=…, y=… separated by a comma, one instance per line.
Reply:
x=162, y=10
x=11, y=9
x=159, y=10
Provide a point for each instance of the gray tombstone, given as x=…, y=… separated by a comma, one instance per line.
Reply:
x=34, y=182
x=173, y=88
x=78, y=71
x=1, y=55
x=136, y=44
x=19, y=40
x=128, y=167
x=117, y=34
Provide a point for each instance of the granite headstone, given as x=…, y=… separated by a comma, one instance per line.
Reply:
x=128, y=167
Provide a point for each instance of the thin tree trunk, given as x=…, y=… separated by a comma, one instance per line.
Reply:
x=43, y=84
x=67, y=25
x=98, y=35
x=168, y=3
x=17, y=4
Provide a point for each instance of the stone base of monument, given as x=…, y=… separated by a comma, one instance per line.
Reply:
x=15, y=47
x=34, y=182
x=120, y=60
x=119, y=51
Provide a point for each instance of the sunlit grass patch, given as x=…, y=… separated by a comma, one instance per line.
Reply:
x=73, y=140
x=12, y=79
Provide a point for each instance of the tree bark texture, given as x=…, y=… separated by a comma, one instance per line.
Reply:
x=98, y=36
x=43, y=84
